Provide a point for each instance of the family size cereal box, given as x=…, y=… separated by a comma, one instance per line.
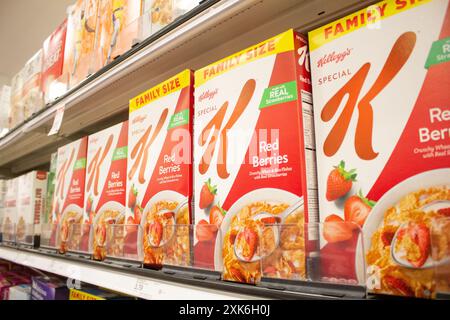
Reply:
x=31, y=192
x=106, y=178
x=159, y=169
x=382, y=115
x=10, y=211
x=125, y=24
x=52, y=83
x=68, y=199
x=31, y=91
x=254, y=160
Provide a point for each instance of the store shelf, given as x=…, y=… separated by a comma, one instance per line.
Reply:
x=163, y=285
x=125, y=282
x=212, y=31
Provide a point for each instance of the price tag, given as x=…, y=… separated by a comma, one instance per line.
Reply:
x=142, y=287
x=57, y=121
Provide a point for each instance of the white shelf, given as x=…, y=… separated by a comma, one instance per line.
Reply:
x=126, y=283
x=223, y=28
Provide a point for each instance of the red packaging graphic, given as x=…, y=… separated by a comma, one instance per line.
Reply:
x=159, y=170
x=53, y=63
x=32, y=188
x=68, y=199
x=253, y=169
x=105, y=192
x=381, y=102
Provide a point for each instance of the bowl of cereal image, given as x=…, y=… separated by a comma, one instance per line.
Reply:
x=397, y=235
x=286, y=261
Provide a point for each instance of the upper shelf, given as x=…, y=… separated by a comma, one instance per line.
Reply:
x=211, y=31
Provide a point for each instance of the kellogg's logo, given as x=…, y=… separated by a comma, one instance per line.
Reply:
x=334, y=57
x=208, y=94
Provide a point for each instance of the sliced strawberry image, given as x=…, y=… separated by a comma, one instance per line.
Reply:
x=207, y=194
x=250, y=238
x=444, y=212
x=339, y=182
x=399, y=286
x=357, y=208
x=386, y=238
x=155, y=232
x=335, y=229
x=132, y=195
x=137, y=214
x=205, y=231
x=89, y=205
x=420, y=236
x=216, y=215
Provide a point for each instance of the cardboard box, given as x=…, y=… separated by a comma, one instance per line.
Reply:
x=10, y=211
x=103, y=36
x=31, y=91
x=53, y=84
x=5, y=106
x=159, y=183
x=68, y=200
x=9, y=280
x=106, y=178
x=49, y=288
x=51, y=180
x=16, y=115
x=381, y=102
x=80, y=40
x=254, y=153
x=125, y=25
x=32, y=188
x=2, y=205
x=20, y=292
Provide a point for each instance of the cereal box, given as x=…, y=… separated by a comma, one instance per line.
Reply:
x=381, y=101
x=80, y=40
x=31, y=91
x=103, y=37
x=16, y=112
x=125, y=26
x=68, y=199
x=159, y=169
x=30, y=205
x=51, y=178
x=2, y=206
x=105, y=191
x=254, y=160
x=52, y=66
x=5, y=106
x=10, y=211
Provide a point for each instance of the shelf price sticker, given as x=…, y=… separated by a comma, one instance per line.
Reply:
x=143, y=288
x=57, y=121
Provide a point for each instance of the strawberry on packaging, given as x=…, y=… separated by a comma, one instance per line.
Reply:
x=254, y=162
x=381, y=106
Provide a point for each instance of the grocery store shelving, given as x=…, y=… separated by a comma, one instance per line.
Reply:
x=211, y=31
x=158, y=284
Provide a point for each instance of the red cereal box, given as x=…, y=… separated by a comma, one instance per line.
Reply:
x=254, y=162
x=381, y=107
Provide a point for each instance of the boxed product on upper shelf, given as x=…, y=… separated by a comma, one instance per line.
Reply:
x=16, y=112
x=5, y=106
x=53, y=83
x=68, y=199
x=380, y=83
x=10, y=211
x=31, y=190
x=105, y=191
x=31, y=91
x=159, y=169
x=253, y=162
